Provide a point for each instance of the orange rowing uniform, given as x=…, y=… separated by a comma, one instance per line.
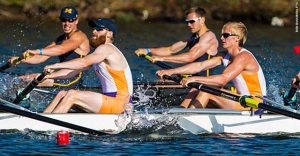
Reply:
x=117, y=87
x=248, y=83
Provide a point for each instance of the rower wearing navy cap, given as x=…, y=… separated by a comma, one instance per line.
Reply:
x=72, y=44
x=110, y=66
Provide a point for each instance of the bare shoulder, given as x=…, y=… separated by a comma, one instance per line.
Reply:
x=105, y=48
x=79, y=35
x=208, y=35
x=244, y=56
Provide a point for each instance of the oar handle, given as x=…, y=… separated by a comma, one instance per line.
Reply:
x=165, y=66
x=14, y=62
x=30, y=87
x=158, y=63
x=9, y=64
x=206, y=88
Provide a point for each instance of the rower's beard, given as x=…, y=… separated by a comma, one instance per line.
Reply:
x=98, y=41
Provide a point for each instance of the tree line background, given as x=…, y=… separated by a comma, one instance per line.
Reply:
x=164, y=10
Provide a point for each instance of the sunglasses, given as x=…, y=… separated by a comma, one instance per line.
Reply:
x=69, y=20
x=192, y=20
x=226, y=35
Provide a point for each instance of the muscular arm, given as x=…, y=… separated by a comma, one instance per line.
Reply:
x=56, y=50
x=233, y=70
x=63, y=74
x=66, y=46
x=166, y=51
x=196, y=67
x=197, y=51
x=37, y=59
x=163, y=51
x=97, y=56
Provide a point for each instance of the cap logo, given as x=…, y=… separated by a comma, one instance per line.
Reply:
x=69, y=11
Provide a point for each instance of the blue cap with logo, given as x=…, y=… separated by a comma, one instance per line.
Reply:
x=68, y=12
x=103, y=23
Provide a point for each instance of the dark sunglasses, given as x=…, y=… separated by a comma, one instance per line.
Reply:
x=69, y=20
x=226, y=35
x=192, y=21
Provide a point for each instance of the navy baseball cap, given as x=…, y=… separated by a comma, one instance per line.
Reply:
x=68, y=12
x=103, y=23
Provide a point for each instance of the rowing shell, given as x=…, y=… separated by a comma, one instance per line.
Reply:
x=238, y=122
x=107, y=123
x=191, y=120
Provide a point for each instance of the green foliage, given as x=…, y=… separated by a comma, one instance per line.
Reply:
x=134, y=9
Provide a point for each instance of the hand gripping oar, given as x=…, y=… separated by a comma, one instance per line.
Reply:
x=289, y=98
x=165, y=66
x=30, y=87
x=158, y=63
x=9, y=64
x=12, y=108
x=14, y=62
x=245, y=101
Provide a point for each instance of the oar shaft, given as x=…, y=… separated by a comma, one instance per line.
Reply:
x=279, y=111
x=5, y=107
x=244, y=100
x=29, y=88
x=158, y=63
x=9, y=64
x=208, y=89
x=165, y=66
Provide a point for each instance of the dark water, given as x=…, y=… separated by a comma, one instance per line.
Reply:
x=273, y=47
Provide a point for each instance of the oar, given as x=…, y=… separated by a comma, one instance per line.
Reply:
x=12, y=108
x=46, y=91
x=158, y=63
x=243, y=100
x=288, y=97
x=165, y=66
x=30, y=87
x=14, y=62
x=9, y=64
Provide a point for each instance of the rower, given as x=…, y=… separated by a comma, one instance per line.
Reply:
x=72, y=44
x=242, y=69
x=112, y=69
x=290, y=97
x=201, y=45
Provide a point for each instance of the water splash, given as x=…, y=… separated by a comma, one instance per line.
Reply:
x=143, y=96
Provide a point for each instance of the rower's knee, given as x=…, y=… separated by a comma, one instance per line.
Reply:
x=61, y=93
x=72, y=94
x=201, y=100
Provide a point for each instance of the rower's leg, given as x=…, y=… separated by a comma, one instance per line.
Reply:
x=28, y=77
x=91, y=101
x=226, y=103
x=46, y=83
x=55, y=101
x=201, y=100
x=189, y=98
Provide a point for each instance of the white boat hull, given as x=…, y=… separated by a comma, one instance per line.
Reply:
x=194, y=121
x=198, y=124
x=105, y=122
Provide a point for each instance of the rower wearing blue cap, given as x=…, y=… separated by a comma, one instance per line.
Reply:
x=112, y=69
x=72, y=44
